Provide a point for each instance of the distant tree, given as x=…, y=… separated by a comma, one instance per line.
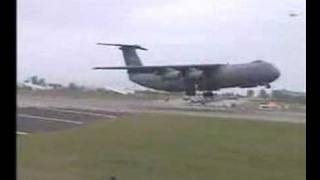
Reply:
x=34, y=79
x=103, y=90
x=263, y=94
x=38, y=81
x=41, y=82
x=73, y=86
x=250, y=93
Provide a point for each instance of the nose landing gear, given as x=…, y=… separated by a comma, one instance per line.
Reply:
x=268, y=86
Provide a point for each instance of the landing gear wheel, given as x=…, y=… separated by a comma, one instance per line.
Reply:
x=268, y=86
x=207, y=94
x=190, y=93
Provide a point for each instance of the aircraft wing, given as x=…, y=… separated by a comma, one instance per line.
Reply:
x=154, y=68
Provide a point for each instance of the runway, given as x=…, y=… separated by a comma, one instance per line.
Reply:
x=55, y=111
x=40, y=119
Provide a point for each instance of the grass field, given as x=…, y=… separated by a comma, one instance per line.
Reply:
x=157, y=146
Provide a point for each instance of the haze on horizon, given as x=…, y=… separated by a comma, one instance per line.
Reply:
x=57, y=39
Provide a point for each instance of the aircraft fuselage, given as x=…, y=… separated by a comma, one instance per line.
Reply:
x=253, y=74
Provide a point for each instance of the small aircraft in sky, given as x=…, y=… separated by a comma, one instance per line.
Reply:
x=196, y=77
x=293, y=14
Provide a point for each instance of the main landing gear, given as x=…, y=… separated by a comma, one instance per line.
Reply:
x=202, y=99
x=207, y=94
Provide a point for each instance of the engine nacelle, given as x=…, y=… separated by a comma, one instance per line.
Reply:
x=194, y=74
x=171, y=74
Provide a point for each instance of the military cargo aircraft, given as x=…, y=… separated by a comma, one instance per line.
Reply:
x=189, y=79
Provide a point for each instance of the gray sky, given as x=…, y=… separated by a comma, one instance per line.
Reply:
x=56, y=39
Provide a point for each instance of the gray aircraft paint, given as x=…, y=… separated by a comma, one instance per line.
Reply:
x=191, y=78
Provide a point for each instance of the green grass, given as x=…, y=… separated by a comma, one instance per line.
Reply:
x=164, y=147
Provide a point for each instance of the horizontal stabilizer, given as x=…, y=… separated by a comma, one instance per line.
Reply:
x=123, y=46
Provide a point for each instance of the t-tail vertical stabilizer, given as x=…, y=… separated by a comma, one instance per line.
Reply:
x=129, y=53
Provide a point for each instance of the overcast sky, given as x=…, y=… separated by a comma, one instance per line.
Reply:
x=56, y=39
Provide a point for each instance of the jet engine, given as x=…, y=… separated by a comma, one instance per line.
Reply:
x=170, y=74
x=194, y=74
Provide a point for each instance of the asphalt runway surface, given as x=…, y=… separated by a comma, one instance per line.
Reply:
x=41, y=119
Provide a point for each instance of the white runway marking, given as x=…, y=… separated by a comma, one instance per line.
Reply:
x=49, y=119
x=81, y=112
x=22, y=133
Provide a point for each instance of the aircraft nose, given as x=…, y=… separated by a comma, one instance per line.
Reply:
x=275, y=73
